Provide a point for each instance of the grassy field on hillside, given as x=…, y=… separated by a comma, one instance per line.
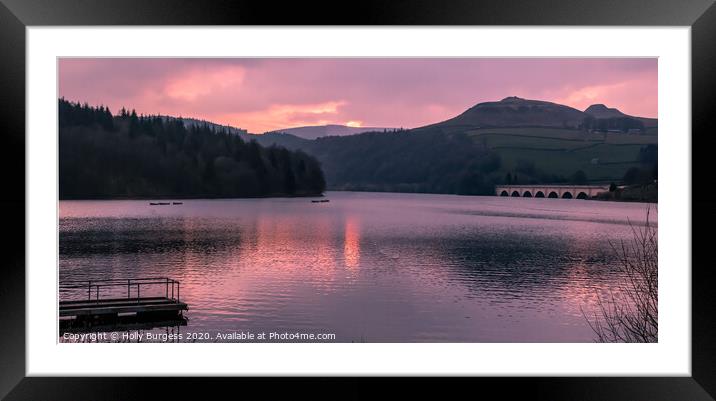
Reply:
x=602, y=156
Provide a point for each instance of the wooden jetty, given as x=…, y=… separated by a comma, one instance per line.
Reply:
x=100, y=300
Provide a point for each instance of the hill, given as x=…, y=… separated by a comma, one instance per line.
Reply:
x=102, y=156
x=194, y=122
x=268, y=139
x=287, y=141
x=430, y=160
x=514, y=141
x=514, y=112
x=517, y=112
x=529, y=141
x=532, y=140
x=553, y=155
x=319, y=131
x=406, y=161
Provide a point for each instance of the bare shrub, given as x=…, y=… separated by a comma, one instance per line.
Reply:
x=630, y=313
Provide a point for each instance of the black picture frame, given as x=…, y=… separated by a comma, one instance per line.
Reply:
x=16, y=15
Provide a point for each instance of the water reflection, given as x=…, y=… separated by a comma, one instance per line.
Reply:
x=351, y=242
x=368, y=267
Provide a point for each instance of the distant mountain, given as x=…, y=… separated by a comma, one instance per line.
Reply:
x=319, y=131
x=515, y=112
x=601, y=111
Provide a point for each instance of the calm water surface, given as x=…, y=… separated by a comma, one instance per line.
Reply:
x=369, y=267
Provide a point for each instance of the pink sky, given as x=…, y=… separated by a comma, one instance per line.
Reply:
x=272, y=93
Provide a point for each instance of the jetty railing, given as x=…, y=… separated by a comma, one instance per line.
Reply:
x=97, y=290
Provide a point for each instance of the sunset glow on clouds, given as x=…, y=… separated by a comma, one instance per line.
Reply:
x=278, y=116
x=196, y=84
x=267, y=94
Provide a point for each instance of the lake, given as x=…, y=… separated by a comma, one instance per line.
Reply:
x=367, y=267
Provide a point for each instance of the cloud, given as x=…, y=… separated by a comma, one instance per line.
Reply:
x=637, y=96
x=279, y=116
x=196, y=85
x=266, y=94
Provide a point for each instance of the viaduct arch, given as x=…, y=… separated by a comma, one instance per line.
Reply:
x=551, y=191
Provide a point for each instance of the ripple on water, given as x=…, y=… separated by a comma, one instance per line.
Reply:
x=368, y=267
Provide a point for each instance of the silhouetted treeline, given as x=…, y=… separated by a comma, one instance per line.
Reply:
x=648, y=171
x=622, y=124
x=105, y=156
x=407, y=161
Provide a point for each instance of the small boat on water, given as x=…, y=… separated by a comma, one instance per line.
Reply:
x=320, y=200
x=177, y=203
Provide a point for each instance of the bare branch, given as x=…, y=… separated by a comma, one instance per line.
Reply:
x=632, y=315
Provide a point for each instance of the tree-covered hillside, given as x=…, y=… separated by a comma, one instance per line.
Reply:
x=103, y=156
x=557, y=155
x=512, y=141
x=473, y=161
x=407, y=161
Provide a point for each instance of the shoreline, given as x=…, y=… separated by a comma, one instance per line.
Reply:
x=324, y=195
x=197, y=197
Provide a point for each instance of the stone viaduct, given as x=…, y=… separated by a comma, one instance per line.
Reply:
x=551, y=191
